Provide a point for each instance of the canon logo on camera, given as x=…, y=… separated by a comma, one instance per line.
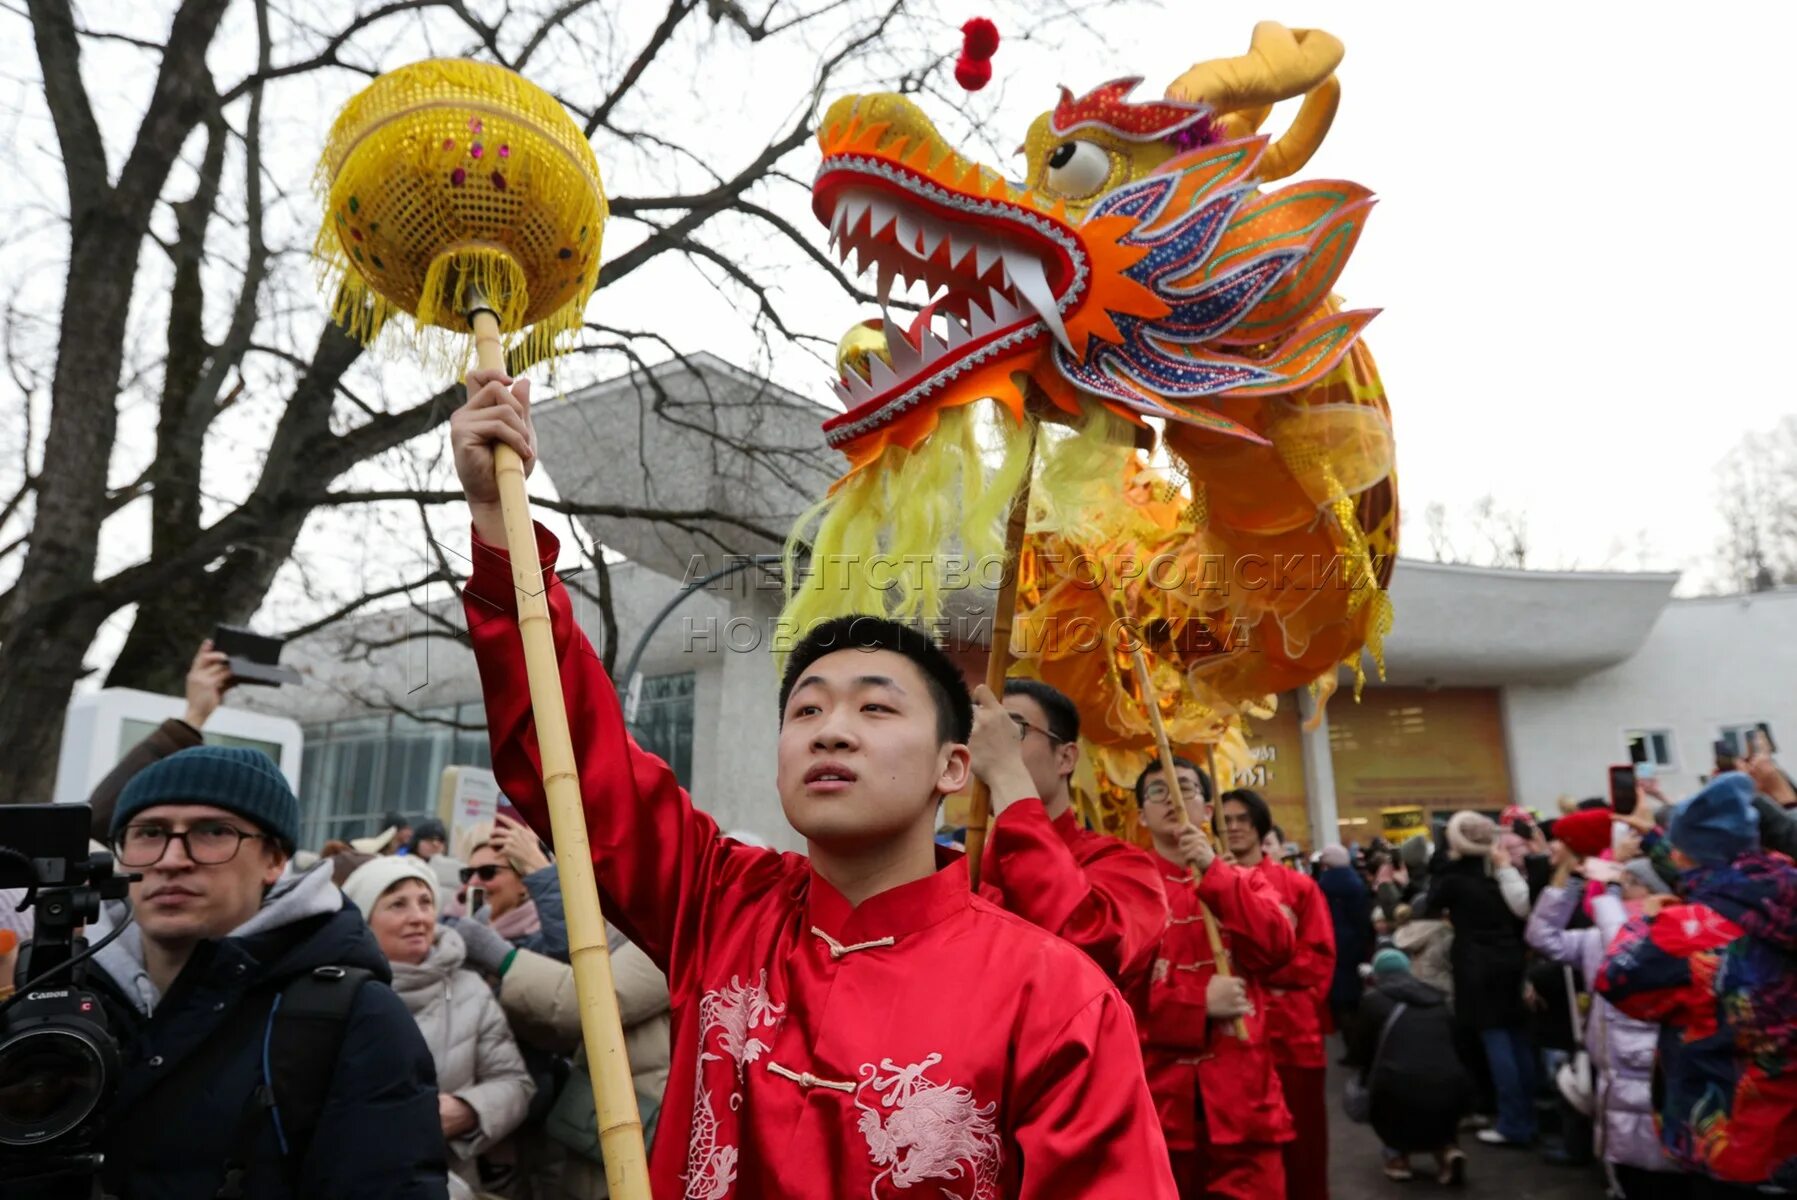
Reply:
x=62, y=995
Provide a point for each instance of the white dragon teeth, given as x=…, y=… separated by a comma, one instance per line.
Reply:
x=856, y=207
x=978, y=323
x=1032, y=285
x=880, y=376
x=884, y=213
x=906, y=358
x=933, y=348
x=956, y=333
x=986, y=255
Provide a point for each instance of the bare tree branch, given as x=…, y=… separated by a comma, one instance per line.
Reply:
x=328, y=57
x=550, y=24
x=677, y=12
x=363, y=601
x=570, y=507
x=83, y=151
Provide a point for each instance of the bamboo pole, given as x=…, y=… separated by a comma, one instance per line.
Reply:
x=620, y=1125
x=998, y=656
x=1145, y=682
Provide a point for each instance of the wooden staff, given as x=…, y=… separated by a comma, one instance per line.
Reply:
x=998, y=655
x=1211, y=933
x=620, y=1125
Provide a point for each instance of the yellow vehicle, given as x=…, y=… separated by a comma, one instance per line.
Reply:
x=1399, y=825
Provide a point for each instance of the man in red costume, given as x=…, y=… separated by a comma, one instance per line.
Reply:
x=1296, y=994
x=1218, y=1094
x=1100, y=893
x=855, y=1022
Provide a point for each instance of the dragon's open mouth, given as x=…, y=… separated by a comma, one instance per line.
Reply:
x=1000, y=274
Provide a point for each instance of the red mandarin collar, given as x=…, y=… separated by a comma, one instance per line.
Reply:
x=896, y=912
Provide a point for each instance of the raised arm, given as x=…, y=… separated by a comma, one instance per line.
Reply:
x=1546, y=931
x=1112, y=907
x=657, y=859
x=1245, y=905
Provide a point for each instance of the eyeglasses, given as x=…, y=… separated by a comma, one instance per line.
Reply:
x=485, y=874
x=207, y=843
x=1024, y=729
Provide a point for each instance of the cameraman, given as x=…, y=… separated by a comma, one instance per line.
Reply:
x=223, y=931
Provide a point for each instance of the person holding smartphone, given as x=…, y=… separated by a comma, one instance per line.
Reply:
x=522, y=893
x=1713, y=965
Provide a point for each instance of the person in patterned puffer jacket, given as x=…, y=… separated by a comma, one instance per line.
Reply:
x=1718, y=970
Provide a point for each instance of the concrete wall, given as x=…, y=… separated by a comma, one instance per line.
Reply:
x=1706, y=663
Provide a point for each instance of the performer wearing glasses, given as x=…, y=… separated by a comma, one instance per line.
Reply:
x=1098, y=892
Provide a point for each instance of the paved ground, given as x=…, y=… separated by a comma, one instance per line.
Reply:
x=1355, y=1173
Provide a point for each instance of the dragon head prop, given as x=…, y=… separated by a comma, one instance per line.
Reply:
x=1143, y=275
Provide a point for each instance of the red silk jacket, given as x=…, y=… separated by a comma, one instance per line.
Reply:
x=1195, y=1063
x=926, y=1042
x=1100, y=893
x=1298, y=991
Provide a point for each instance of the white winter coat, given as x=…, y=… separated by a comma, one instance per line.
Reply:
x=477, y=1058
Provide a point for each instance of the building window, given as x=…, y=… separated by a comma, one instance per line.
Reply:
x=1738, y=736
x=664, y=721
x=355, y=771
x=1651, y=746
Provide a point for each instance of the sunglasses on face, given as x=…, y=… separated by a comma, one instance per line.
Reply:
x=485, y=874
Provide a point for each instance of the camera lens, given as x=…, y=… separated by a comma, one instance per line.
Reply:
x=51, y=1080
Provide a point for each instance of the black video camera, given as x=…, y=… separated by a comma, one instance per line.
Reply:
x=58, y=1062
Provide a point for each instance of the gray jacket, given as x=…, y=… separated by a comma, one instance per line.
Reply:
x=477, y=1058
x=1621, y=1048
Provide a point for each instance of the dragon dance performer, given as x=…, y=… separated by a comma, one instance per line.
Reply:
x=1098, y=892
x=814, y=1052
x=1296, y=994
x=1218, y=1095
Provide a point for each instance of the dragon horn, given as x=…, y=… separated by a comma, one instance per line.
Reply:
x=1280, y=63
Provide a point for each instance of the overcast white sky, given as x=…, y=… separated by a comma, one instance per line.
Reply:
x=1580, y=247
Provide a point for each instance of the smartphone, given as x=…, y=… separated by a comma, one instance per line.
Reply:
x=1522, y=828
x=1622, y=789
x=1766, y=732
x=255, y=657
x=1644, y=770
x=477, y=899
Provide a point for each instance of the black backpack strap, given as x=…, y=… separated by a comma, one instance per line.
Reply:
x=300, y=1043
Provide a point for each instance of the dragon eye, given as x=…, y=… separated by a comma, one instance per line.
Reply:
x=1077, y=170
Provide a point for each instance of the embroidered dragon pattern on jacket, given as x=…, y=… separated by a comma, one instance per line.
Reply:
x=735, y=1013
x=922, y=1130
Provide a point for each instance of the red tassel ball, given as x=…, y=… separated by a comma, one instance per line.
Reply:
x=972, y=73
x=979, y=39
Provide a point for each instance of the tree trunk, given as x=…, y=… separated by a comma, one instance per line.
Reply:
x=169, y=627
x=40, y=672
x=56, y=607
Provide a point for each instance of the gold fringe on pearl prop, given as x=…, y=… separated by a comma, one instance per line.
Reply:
x=447, y=177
